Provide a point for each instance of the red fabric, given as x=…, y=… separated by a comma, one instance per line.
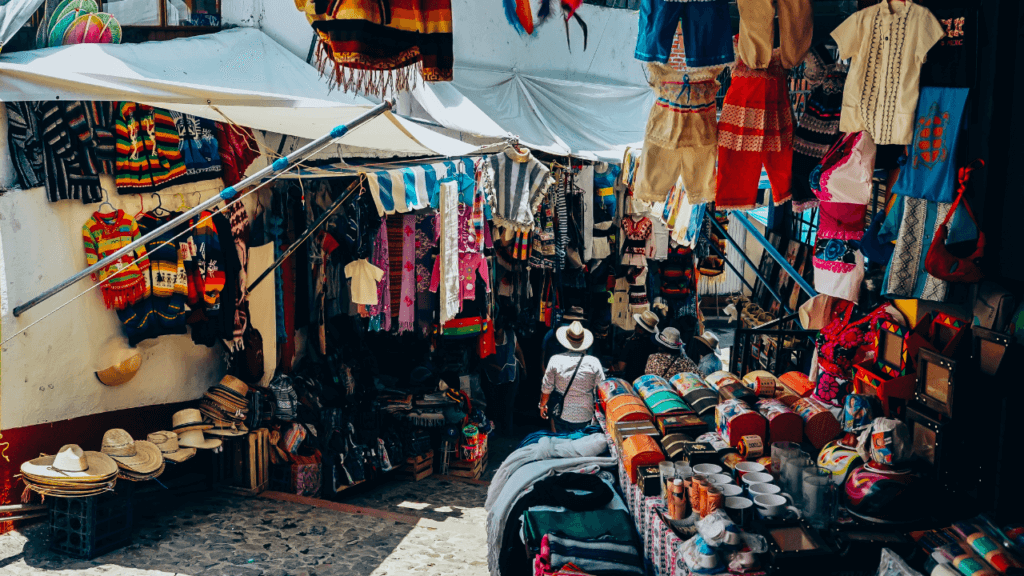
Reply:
x=740, y=172
x=396, y=237
x=238, y=149
x=841, y=220
x=756, y=127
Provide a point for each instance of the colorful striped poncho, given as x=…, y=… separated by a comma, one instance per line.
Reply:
x=148, y=157
x=375, y=46
x=125, y=281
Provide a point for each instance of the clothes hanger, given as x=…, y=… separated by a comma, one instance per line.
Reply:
x=106, y=201
x=159, y=210
x=142, y=210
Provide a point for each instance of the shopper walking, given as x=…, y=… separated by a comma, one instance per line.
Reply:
x=567, y=392
x=638, y=347
x=703, y=350
x=668, y=361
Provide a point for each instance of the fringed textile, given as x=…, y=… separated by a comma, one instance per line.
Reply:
x=377, y=46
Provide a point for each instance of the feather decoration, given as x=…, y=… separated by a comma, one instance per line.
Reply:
x=544, y=12
x=570, y=7
x=519, y=15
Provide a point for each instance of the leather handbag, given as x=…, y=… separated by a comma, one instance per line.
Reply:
x=556, y=401
x=944, y=264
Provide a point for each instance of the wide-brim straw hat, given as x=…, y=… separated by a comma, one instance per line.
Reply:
x=196, y=439
x=138, y=456
x=575, y=337
x=647, y=320
x=234, y=387
x=188, y=420
x=72, y=464
x=670, y=338
x=167, y=442
x=709, y=339
x=241, y=430
x=137, y=477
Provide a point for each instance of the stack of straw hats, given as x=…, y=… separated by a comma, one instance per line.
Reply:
x=167, y=442
x=71, y=473
x=226, y=404
x=137, y=460
x=189, y=426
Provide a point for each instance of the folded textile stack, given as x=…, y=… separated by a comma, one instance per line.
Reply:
x=71, y=473
x=225, y=405
x=659, y=395
x=594, y=557
x=595, y=542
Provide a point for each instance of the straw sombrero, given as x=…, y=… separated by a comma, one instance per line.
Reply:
x=575, y=337
x=167, y=442
x=139, y=457
x=188, y=420
x=72, y=464
x=196, y=439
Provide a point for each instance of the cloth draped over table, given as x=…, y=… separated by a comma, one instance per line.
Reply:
x=375, y=46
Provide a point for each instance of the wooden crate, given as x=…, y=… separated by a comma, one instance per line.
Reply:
x=464, y=469
x=417, y=468
x=245, y=463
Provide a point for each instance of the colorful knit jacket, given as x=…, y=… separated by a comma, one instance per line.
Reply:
x=125, y=281
x=148, y=155
x=206, y=277
x=168, y=278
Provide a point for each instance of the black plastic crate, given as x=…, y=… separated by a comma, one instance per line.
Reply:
x=91, y=526
x=280, y=477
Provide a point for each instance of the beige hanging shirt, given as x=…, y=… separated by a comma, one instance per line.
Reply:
x=365, y=277
x=887, y=47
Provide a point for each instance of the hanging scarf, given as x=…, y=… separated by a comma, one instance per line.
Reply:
x=396, y=240
x=376, y=46
x=239, y=220
x=407, y=305
x=380, y=314
x=448, y=217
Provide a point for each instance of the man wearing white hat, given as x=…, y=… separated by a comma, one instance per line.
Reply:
x=567, y=391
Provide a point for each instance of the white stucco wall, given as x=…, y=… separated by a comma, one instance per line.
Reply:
x=484, y=38
x=47, y=372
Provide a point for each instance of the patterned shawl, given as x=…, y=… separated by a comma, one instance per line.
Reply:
x=375, y=46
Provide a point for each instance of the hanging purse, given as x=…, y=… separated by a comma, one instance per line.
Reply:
x=556, y=400
x=943, y=264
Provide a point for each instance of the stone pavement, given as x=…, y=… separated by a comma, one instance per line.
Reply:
x=220, y=535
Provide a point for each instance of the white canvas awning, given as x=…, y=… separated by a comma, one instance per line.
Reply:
x=582, y=119
x=239, y=75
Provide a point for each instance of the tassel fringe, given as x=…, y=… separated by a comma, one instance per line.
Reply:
x=376, y=82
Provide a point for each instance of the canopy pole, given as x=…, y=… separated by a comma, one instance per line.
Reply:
x=278, y=166
x=775, y=254
x=308, y=232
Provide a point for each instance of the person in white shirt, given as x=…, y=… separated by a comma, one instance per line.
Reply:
x=575, y=375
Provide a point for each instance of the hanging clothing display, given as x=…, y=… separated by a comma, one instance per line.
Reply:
x=375, y=47
x=911, y=223
x=407, y=304
x=25, y=144
x=169, y=280
x=755, y=129
x=380, y=312
x=199, y=147
x=365, y=278
x=757, y=31
x=887, y=42
x=706, y=27
x=818, y=127
x=239, y=222
x=681, y=138
x=634, y=247
x=148, y=154
x=70, y=160
x=605, y=176
x=638, y=301
x=125, y=280
x=237, y=148
x=952, y=62
x=930, y=168
x=519, y=183
x=447, y=263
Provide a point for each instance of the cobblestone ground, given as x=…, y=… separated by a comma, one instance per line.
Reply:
x=218, y=535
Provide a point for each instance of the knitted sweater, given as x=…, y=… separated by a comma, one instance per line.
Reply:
x=206, y=275
x=519, y=183
x=125, y=282
x=148, y=158
x=70, y=170
x=25, y=145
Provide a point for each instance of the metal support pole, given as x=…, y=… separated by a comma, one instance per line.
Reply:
x=775, y=254
x=753, y=267
x=278, y=166
x=309, y=231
